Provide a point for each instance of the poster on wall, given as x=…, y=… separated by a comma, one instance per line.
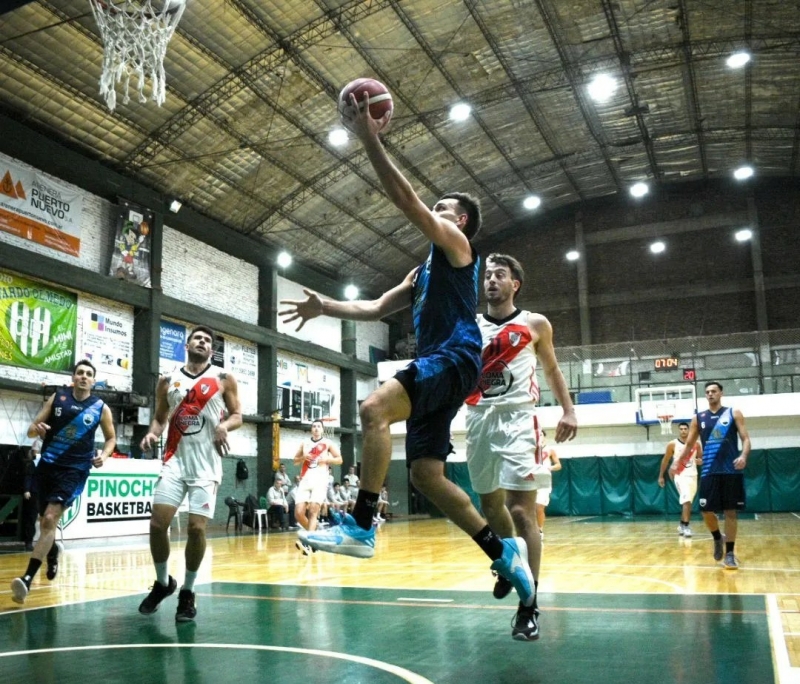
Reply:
x=37, y=324
x=107, y=341
x=130, y=258
x=39, y=209
x=171, y=347
x=242, y=361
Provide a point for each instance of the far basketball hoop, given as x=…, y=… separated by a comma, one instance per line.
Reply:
x=135, y=36
x=666, y=412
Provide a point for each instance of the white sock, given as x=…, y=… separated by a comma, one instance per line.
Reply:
x=162, y=574
x=188, y=583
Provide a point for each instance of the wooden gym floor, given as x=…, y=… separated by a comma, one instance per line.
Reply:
x=621, y=601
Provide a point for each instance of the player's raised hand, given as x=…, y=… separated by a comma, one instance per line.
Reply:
x=302, y=309
x=567, y=427
x=360, y=121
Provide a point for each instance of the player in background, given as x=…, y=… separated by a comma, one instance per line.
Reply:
x=683, y=471
x=193, y=400
x=66, y=424
x=721, y=478
x=550, y=461
x=503, y=456
x=316, y=455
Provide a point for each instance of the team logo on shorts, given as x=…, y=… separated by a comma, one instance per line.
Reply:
x=702, y=503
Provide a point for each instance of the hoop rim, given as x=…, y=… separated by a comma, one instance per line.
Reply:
x=110, y=7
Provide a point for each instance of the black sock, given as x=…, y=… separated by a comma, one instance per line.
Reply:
x=364, y=510
x=684, y=524
x=535, y=593
x=729, y=546
x=490, y=543
x=33, y=567
x=52, y=554
x=716, y=534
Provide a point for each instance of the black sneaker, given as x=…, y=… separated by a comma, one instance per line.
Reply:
x=502, y=586
x=52, y=562
x=186, y=610
x=525, y=625
x=157, y=594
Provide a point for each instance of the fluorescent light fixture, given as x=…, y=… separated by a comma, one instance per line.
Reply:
x=602, y=87
x=175, y=206
x=460, y=112
x=573, y=255
x=351, y=292
x=639, y=189
x=743, y=172
x=657, y=247
x=743, y=235
x=532, y=202
x=284, y=259
x=338, y=137
x=738, y=59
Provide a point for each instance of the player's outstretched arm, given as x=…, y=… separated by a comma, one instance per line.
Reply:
x=542, y=332
x=303, y=310
x=665, y=463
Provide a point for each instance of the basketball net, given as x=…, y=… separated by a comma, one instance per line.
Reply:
x=665, y=414
x=328, y=427
x=135, y=36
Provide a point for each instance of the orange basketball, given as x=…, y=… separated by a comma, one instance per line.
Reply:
x=380, y=99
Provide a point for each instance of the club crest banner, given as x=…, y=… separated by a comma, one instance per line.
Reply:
x=37, y=324
x=130, y=259
x=40, y=209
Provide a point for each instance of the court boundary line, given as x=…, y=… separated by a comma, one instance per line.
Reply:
x=403, y=673
x=785, y=673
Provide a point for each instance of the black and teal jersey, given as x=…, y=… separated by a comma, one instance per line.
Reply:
x=720, y=440
x=70, y=440
x=445, y=305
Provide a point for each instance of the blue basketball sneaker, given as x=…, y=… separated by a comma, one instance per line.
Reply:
x=347, y=539
x=336, y=518
x=513, y=565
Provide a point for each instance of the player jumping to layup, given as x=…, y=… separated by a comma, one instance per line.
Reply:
x=443, y=294
x=683, y=470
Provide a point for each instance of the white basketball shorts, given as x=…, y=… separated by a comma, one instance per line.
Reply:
x=686, y=486
x=171, y=490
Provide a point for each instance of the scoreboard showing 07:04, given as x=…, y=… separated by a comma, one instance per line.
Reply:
x=666, y=363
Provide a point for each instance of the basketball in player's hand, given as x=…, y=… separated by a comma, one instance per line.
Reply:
x=380, y=99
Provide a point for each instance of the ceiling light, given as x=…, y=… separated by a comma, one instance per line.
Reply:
x=460, y=112
x=175, y=206
x=738, y=59
x=639, y=189
x=743, y=235
x=284, y=259
x=351, y=292
x=602, y=87
x=573, y=255
x=743, y=172
x=532, y=202
x=338, y=137
x=657, y=247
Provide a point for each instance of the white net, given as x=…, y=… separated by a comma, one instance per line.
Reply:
x=665, y=413
x=135, y=37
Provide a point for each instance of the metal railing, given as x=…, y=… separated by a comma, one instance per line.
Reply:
x=746, y=363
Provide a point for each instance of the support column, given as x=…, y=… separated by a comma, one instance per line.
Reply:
x=348, y=410
x=764, y=352
x=583, y=282
x=267, y=377
x=147, y=335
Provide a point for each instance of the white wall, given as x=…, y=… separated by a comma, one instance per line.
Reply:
x=17, y=411
x=197, y=273
x=371, y=334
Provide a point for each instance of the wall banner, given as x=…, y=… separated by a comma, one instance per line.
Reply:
x=172, y=345
x=40, y=209
x=37, y=324
x=130, y=258
x=107, y=341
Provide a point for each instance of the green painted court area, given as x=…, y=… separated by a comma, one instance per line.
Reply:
x=288, y=634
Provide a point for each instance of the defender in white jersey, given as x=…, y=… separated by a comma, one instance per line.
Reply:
x=316, y=456
x=683, y=471
x=502, y=426
x=194, y=400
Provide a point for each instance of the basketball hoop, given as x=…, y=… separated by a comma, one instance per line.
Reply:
x=135, y=36
x=328, y=427
x=665, y=414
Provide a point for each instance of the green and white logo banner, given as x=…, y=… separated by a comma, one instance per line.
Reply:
x=38, y=324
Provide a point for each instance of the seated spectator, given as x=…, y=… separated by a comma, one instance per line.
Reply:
x=351, y=492
x=290, y=500
x=283, y=477
x=382, y=506
x=336, y=500
x=278, y=506
x=351, y=478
